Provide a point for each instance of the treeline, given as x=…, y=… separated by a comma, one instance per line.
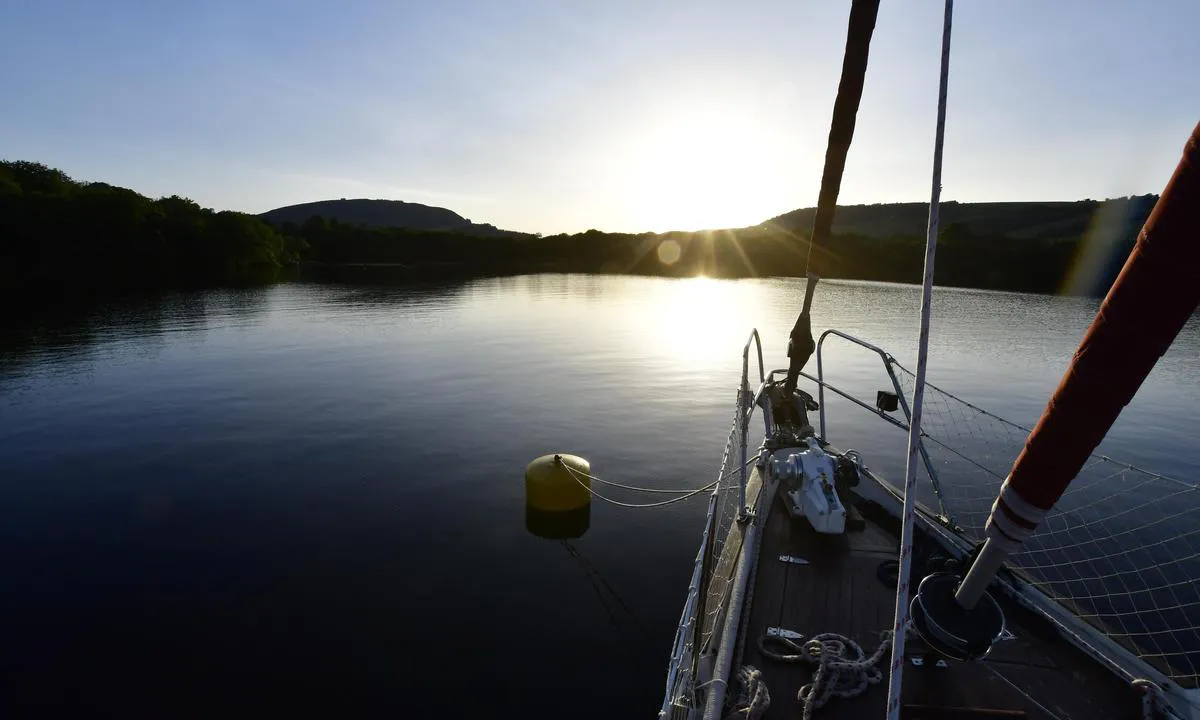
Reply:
x=965, y=258
x=61, y=234
x=57, y=233
x=1044, y=220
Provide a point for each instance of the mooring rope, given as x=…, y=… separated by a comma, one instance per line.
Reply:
x=844, y=670
x=635, y=488
x=689, y=494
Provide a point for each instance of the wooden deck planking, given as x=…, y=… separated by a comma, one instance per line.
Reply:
x=819, y=596
x=839, y=591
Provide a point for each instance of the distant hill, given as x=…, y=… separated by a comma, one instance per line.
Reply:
x=84, y=238
x=1019, y=220
x=384, y=213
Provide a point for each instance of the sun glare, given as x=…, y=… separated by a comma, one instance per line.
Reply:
x=698, y=317
x=706, y=168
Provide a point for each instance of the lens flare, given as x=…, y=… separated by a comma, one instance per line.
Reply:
x=669, y=252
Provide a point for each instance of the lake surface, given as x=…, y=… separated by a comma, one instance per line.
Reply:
x=312, y=495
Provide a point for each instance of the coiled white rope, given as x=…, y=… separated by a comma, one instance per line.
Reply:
x=843, y=669
x=578, y=476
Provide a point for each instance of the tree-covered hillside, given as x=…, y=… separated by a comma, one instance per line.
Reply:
x=56, y=232
x=60, y=234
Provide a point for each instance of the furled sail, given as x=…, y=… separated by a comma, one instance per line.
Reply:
x=841, y=133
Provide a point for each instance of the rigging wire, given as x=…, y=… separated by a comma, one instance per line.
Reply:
x=1016, y=687
x=907, y=520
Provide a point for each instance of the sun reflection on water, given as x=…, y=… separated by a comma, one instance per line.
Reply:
x=701, y=319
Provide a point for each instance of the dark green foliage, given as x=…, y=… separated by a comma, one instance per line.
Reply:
x=1032, y=220
x=79, y=237
x=55, y=232
x=1018, y=261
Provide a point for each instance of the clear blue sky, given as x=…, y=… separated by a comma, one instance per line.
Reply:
x=560, y=115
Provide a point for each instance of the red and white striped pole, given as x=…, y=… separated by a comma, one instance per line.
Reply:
x=1155, y=294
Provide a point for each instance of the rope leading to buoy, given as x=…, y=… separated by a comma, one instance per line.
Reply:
x=635, y=488
x=578, y=477
x=844, y=670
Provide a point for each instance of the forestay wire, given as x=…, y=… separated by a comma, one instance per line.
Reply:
x=907, y=521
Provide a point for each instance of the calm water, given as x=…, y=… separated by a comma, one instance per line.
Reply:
x=312, y=494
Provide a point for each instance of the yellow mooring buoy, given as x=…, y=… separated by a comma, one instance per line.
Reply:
x=558, y=498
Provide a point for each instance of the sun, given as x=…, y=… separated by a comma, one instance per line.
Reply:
x=705, y=168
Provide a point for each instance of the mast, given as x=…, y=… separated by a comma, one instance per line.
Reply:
x=841, y=133
x=900, y=622
x=1155, y=294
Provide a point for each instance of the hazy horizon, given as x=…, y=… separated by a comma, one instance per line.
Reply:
x=621, y=116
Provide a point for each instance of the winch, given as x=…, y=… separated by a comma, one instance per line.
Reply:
x=809, y=476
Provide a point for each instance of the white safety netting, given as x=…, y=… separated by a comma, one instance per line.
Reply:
x=712, y=592
x=720, y=570
x=1121, y=549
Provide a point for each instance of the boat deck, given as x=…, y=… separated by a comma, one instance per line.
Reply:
x=837, y=589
